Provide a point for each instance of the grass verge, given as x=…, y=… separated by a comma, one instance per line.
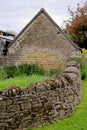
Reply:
x=22, y=80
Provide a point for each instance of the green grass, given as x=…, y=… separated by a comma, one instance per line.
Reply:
x=77, y=120
x=22, y=80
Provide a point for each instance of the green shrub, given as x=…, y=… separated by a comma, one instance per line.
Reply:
x=24, y=69
x=3, y=74
x=84, y=72
x=83, y=67
x=11, y=71
x=83, y=64
x=38, y=70
x=29, y=69
x=83, y=75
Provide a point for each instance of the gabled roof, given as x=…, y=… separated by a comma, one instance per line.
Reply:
x=42, y=10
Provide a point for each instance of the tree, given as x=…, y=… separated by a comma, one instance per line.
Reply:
x=76, y=26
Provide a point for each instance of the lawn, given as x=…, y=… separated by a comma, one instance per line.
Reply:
x=22, y=80
x=77, y=120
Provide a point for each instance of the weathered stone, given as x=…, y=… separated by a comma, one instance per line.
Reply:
x=3, y=125
x=12, y=91
x=71, y=98
x=26, y=106
x=13, y=108
x=62, y=113
x=20, y=100
x=72, y=69
x=40, y=88
x=2, y=108
x=8, y=102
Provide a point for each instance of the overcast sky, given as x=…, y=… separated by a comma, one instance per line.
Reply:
x=15, y=14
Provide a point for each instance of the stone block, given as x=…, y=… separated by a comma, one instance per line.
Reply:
x=3, y=126
x=13, y=108
x=26, y=106
x=9, y=102
x=2, y=108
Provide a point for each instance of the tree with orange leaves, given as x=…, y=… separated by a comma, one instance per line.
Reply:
x=76, y=27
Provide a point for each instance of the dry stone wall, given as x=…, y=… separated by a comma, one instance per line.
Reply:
x=42, y=103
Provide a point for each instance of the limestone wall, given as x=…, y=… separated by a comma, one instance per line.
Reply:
x=41, y=43
x=42, y=103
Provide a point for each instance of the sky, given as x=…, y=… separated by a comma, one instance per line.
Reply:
x=15, y=14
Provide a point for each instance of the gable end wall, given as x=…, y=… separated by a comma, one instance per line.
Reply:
x=41, y=43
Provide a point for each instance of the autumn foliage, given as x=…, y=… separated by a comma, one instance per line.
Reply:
x=76, y=26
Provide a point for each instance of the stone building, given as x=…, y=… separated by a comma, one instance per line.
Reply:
x=41, y=42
